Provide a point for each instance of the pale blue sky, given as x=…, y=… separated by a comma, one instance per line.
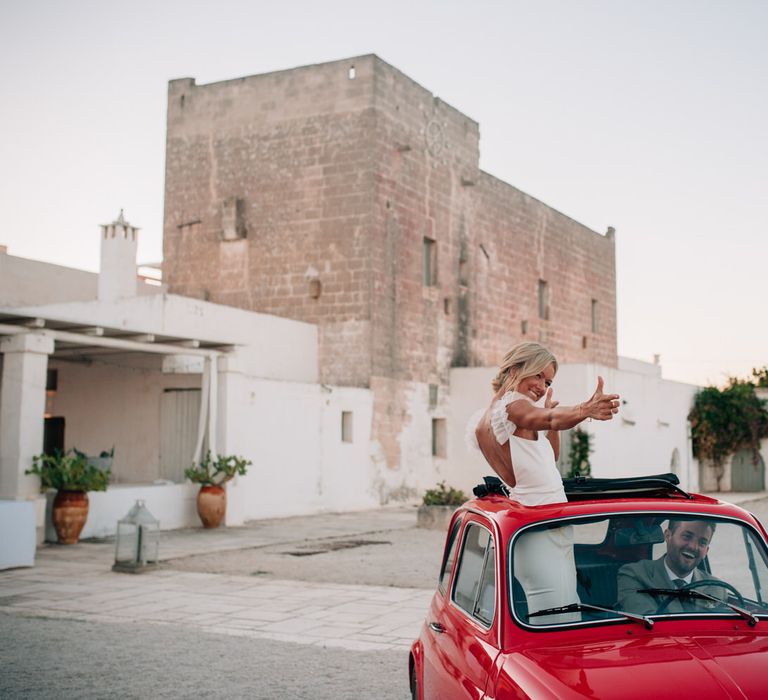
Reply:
x=647, y=116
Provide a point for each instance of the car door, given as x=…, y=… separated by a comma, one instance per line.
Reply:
x=461, y=636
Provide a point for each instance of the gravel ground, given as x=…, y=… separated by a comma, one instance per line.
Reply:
x=55, y=658
x=397, y=557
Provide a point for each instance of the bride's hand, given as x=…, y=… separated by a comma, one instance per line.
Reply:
x=601, y=406
x=548, y=402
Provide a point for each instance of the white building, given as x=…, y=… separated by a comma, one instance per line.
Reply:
x=162, y=378
x=96, y=361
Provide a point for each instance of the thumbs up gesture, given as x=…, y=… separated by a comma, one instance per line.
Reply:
x=601, y=406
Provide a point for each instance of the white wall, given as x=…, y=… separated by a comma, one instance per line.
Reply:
x=273, y=347
x=417, y=468
x=292, y=433
x=639, y=441
x=651, y=423
x=106, y=405
x=470, y=391
x=172, y=504
x=25, y=282
x=270, y=410
x=347, y=471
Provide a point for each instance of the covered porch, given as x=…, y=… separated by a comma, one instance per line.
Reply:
x=153, y=397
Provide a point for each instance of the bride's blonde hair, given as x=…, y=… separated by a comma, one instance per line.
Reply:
x=523, y=360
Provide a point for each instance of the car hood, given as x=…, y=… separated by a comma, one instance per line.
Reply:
x=648, y=666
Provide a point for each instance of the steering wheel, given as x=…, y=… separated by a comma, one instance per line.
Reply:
x=703, y=583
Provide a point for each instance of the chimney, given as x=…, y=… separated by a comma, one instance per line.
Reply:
x=117, y=276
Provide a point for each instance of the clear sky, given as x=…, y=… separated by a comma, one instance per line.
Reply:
x=650, y=116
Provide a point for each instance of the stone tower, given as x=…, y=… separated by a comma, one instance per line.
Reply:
x=347, y=195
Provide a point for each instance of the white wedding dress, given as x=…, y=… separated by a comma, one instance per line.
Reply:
x=543, y=559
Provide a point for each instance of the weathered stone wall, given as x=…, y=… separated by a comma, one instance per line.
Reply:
x=517, y=241
x=294, y=148
x=309, y=193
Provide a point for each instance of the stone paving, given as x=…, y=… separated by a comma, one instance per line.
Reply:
x=76, y=582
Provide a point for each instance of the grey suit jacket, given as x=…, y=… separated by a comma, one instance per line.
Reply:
x=653, y=574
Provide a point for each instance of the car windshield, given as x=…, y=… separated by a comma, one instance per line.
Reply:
x=640, y=567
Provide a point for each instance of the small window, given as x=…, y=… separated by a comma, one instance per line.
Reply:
x=543, y=300
x=475, y=588
x=52, y=380
x=430, y=262
x=439, y=437
x=432, y=395
x=233, y=219
x=463, y=272
x=595, y=318
x=346, y=426
x=450, y=558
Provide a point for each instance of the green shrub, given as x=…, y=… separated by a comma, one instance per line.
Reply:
x=444, y=495
x=69, y=471
x=215, y=472
x=760, y=377
x=724, y=421
x=578, y=454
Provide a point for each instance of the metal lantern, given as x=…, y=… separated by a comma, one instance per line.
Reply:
x=138, y=540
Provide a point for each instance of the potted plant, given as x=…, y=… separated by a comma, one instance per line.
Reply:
x=438, y=505
x=72, y=475
x=212, y=474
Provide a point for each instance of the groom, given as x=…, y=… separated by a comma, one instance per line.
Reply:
x=687, y=545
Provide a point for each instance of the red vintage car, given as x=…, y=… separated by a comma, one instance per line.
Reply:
x=630, y=631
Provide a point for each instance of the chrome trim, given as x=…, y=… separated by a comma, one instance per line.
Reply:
x=456, y=523
x=497, y=573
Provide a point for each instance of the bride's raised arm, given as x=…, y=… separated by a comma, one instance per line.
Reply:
x=599, y=406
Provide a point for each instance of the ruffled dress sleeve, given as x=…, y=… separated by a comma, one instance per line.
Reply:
x=502, y=427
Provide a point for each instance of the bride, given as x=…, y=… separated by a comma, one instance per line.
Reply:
x=508, y=435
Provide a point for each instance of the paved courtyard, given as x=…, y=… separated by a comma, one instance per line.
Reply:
x=315, y=607
x=76, y=582
x=220, y=618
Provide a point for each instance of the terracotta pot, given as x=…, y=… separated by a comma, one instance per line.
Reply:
x=70, y=511
x=211, y=505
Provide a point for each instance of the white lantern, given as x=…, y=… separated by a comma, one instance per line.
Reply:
x=137, y=545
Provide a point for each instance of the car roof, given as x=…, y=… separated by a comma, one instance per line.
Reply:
x=603, y=497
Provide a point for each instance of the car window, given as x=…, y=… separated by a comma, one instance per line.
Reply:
x=475, y=587
x=450, y=558
x=485, y=605
x=735, y=555
x=624, y=563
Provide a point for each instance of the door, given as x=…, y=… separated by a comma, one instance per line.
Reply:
x=53, y=435
x=460, y=642
x=746, y=475
x=179, y=417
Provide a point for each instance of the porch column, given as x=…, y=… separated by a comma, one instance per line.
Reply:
x=22, y=409
x=232, y=421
